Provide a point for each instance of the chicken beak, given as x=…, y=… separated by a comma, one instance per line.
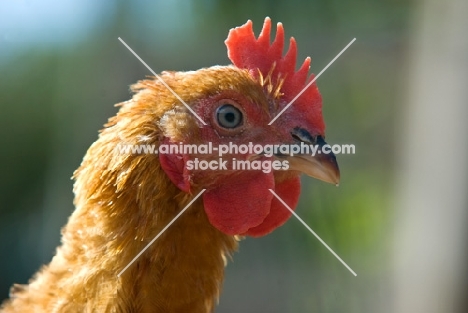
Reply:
x=321, y=165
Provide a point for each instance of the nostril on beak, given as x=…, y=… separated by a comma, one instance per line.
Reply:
x=303, y=135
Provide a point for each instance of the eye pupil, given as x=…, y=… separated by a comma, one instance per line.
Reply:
x=229, y=116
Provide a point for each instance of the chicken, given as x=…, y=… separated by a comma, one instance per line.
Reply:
x=123, y=200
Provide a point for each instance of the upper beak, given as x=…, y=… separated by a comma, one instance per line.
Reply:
x=322, y=165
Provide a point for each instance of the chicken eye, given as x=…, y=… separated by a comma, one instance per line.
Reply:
x=229, y=116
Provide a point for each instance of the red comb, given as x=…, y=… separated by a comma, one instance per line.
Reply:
x=245, y=51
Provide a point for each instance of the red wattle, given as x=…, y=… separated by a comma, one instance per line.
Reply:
x=287, y=190
x=237, y=205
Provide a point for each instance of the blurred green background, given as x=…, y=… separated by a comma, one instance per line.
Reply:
x=62, y=69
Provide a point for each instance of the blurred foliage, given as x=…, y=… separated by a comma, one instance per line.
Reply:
x=56, y=94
